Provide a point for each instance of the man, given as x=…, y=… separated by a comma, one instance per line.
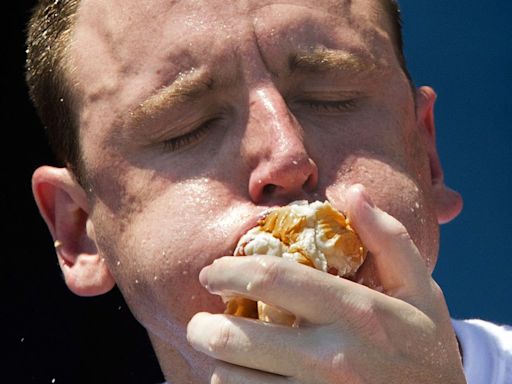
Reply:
x=179, y=122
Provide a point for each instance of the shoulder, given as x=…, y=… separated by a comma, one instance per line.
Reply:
x=486, y=349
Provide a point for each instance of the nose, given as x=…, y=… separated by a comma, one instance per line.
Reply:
x=281, y=168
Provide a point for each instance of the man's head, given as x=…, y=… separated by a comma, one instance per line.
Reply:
x=194, y=117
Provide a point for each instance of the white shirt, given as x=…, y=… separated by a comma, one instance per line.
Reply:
x=486, y=351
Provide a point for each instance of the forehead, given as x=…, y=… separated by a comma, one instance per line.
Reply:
x=157, y=24
x=117, y=41
x=129, y=11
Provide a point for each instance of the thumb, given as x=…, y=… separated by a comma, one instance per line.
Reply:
x=400, y=267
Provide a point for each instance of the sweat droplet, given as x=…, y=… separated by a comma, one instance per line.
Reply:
x=248, y=287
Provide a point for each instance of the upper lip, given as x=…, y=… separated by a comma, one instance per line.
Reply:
x=246, y=226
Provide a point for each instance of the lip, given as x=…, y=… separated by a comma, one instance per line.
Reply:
x=246, y=226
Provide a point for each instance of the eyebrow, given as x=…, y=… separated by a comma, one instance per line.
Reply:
x=189, y=85
x=193, y=84
x=323, y=60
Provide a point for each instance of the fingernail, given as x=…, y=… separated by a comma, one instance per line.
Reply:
x=203, y=276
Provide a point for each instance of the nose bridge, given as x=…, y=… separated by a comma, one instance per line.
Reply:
x=272, y=126
x=279, y=161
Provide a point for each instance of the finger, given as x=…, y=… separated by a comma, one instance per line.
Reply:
x=248, y=343
x=233, y=374
x=314, y=296
x=401, y=269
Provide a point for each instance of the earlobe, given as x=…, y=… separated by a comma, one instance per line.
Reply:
x=447, y=201
x=63, y=204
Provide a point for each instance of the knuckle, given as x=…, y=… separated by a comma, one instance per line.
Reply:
x=326, y=357
x=332, y=367
x=220, y=338
x=341, y=368
x=402, y=235
x=267, y=275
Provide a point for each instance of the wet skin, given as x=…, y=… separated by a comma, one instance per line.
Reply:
x=197, y=116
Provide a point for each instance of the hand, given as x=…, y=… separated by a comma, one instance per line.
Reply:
x=348, y=333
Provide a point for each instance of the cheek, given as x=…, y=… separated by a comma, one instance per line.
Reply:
x=397, y=192
x=156, y=252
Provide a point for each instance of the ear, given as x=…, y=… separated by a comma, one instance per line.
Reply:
x=64, y=206
x=447, y=201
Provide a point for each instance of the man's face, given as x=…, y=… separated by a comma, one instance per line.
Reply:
x=197, y=116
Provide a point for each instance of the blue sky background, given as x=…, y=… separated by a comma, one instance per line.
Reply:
x=464, y=50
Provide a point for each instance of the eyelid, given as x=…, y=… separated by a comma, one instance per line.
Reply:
x=330, y=95
x=332, y=105
x=178, y=142
x=328, y=102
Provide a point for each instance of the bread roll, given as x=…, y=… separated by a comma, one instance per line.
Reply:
x=314, y=234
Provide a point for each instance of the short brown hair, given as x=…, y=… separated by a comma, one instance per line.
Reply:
x=48, y=39
x=48, y=36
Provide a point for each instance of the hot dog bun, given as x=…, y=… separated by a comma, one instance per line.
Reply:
x=314, y=234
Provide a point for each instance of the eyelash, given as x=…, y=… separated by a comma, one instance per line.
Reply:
x=179, y=142
x=331, y=106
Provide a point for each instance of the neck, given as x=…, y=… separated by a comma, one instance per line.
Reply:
x=187, y=367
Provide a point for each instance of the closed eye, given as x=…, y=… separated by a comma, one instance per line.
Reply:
x=188, y=139
x=331, y=105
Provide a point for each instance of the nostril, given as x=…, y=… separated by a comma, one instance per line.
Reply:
x=269, y=189
x=310, y=183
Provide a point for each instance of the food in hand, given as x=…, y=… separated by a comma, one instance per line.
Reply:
x=314, y=234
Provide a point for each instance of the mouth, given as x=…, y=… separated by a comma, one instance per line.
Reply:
x=252, y=220
x=247, y=224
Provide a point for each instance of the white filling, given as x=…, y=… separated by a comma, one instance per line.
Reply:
x=258, y=242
